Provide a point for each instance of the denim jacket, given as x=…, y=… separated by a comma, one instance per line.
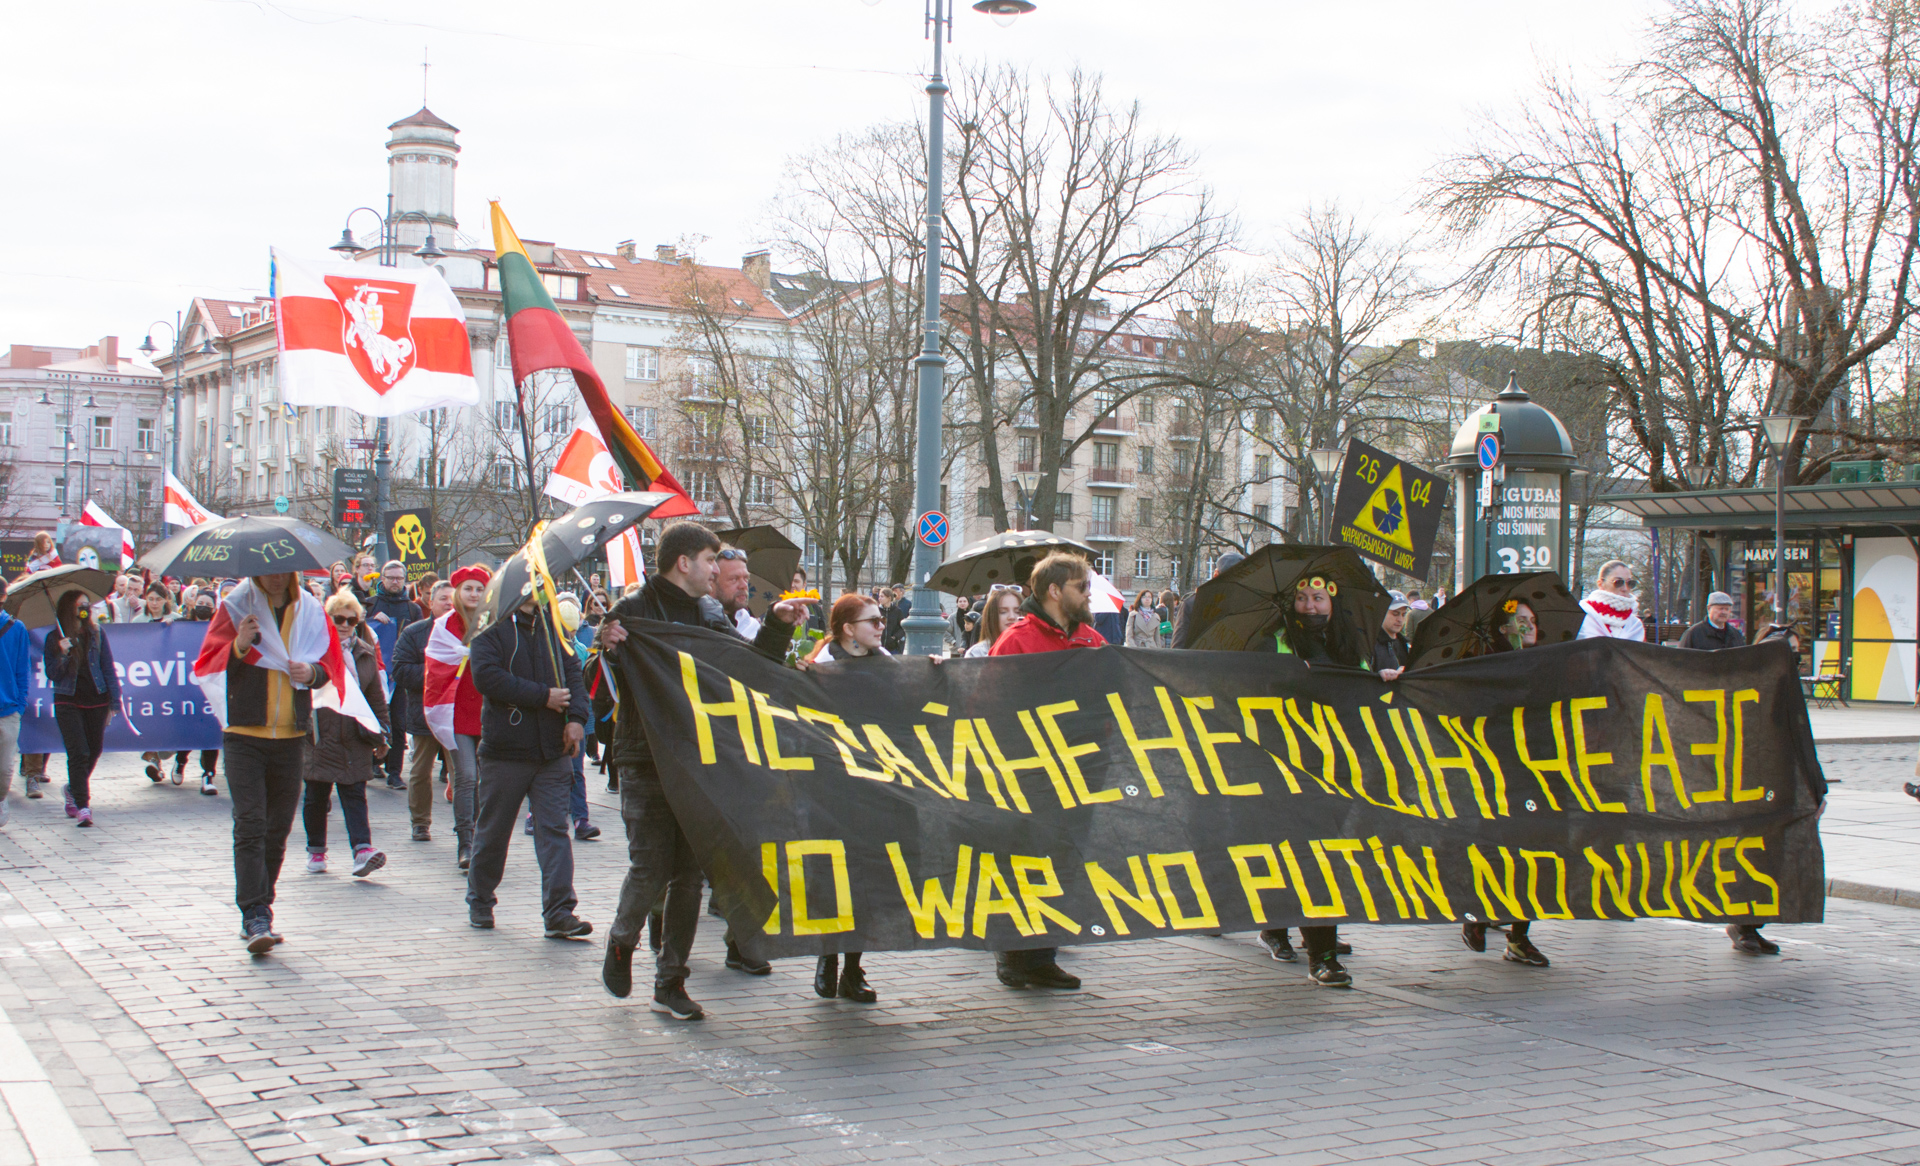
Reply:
x=63, y=669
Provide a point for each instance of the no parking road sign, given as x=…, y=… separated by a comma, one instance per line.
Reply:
x=1488, y=449
x=933, y=528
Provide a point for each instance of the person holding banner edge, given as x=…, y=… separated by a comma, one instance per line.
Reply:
x=85, y=695
x=1058, y=617
x=659, y=856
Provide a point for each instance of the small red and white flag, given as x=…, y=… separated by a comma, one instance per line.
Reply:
x=181, y=508
x=93, y=515
x=626, y=562
x=584, y=470
x=314, y=642
x=380, y=340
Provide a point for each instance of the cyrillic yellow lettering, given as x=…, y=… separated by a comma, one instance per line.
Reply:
x=1207, y=741
x=739, y=708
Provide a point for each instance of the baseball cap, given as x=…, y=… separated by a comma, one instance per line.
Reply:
x=1399, y=601
x=1719, y=597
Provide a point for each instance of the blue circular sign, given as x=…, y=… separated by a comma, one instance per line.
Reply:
x=1489, y=450
x=282, y=504
x=933, y=528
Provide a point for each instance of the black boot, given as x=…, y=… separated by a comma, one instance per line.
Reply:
x=826, y=977
x=853, y=983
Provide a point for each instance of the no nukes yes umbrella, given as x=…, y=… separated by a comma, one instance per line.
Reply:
x=245, y=545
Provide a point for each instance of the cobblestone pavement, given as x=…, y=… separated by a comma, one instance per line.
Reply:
x=385, y=1029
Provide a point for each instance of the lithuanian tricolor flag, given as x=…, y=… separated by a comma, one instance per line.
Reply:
x=540, y=339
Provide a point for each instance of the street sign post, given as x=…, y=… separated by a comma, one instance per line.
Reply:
x=933, y=528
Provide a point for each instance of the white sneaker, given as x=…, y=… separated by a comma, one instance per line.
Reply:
x=367, y=861
x=317, y=863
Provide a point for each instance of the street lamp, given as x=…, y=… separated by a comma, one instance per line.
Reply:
x=1027, y=483
x=170, y=440
x=1245, y=528
x=1779, y=430
x=926, y=628
x=389, y=257
x=1326, y=463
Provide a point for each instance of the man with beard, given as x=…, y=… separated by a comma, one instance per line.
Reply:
x=731, y=584
x=659, y=856
x=1057, y=618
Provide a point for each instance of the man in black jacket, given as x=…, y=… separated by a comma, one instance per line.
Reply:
x=533, y=717
x=389, y=612
x=410, y=677
x=1717, y=630
x=658, y=855
x=1391, y=651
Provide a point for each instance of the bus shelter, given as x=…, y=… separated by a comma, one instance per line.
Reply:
x=1853, y=571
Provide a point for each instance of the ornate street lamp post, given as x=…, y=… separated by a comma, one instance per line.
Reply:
x=1779, y=430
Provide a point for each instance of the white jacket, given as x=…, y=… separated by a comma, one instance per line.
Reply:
x=1610, y=617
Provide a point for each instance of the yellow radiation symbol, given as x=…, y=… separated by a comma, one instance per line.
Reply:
x=410, y=536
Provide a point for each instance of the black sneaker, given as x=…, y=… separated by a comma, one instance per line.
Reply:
x=258, y=935
x=671, y=998
x=396, y=783
x=1474, y=935
x=1328, y=973
x=1520, y=950
x=586, y=831
x=571, y=927
x=616, y=971
x=740, y=962
x=1912, y=788
x=480, y=920
x=1278, y=946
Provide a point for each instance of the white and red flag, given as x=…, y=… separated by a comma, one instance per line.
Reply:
x=448, y=700
x=93, y=515
x=380, y=340
x=182, y=508
x=314, y=642
x=585, y=470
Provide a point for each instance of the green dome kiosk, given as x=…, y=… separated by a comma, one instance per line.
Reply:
x=1513, y=516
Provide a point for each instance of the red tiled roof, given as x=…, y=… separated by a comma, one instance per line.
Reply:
x=219, y=314
x=650, y=283
x=425, y=117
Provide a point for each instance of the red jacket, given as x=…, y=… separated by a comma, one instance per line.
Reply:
x=1034, y=632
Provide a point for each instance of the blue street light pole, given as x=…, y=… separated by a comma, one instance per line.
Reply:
x=925, y=628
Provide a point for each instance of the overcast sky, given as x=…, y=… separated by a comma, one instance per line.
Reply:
x=157, y=147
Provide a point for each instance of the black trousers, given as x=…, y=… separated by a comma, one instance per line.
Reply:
x=208, y=759
x=83, y=731
x=264, y=784
x=659, y=859
x=395, y=760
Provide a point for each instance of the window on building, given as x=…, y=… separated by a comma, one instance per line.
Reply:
x=757, y=431
x=1106, y=455
x=103, y=433
x=1104, y=400
x=982, y=503
x=1143, y=512
x=60, y=491
x=1100, y=512
x=1143, y=408
x=1263, y=513
x=502, y=355
x=432, y=471
x=1263, y=421
x=1028, y=447
x=645, y=420
x=700, y=485
x=759, y=489
x=1262, y=467
x=506, y=416
x=145, y=436
x=1142, y=565
x=6, y=427
x=643, y=364
x=1182, y=462
x=1146, y=459
x=561, y=287
x=503, y=475
x=1063, y=507
x=143, y=493
x=1213, y=463
x=1103, y=563
x=558, y=418
x=63, y=430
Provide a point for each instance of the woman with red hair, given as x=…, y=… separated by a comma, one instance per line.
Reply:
x=854, y=629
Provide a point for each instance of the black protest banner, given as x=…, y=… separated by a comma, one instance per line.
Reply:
x=410, y=534
x=1387, y=510
x=1094, y=795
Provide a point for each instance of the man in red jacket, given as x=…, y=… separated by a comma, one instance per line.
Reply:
x=1057, y=617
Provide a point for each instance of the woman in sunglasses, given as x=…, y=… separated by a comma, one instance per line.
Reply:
x=341, y=751
x=1610, y=607
x=854, y=629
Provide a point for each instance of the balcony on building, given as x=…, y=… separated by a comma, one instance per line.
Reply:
x=1108, y=530
x=1184, y=429
x=1110, y=476
x=700, y=448
x=1114, y=423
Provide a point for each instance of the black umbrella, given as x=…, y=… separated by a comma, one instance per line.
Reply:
x=1467, y=624
x=772, y=558
x=33, y=598
x=565, y=542
x=246, y=545
x=1245, y=602
x=1007, y=557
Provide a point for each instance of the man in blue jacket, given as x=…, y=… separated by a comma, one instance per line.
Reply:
x=13, y=697
x=533, y=718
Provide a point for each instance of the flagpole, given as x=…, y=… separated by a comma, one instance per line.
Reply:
x=526, y=443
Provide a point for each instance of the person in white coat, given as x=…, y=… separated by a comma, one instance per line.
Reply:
x=1610, y=607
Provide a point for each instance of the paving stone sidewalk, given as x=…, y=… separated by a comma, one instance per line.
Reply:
x=385, y=1030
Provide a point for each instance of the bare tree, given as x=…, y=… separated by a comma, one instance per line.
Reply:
x=1746, y=192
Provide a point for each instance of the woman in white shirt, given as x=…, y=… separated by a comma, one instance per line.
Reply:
x=1002, y=612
